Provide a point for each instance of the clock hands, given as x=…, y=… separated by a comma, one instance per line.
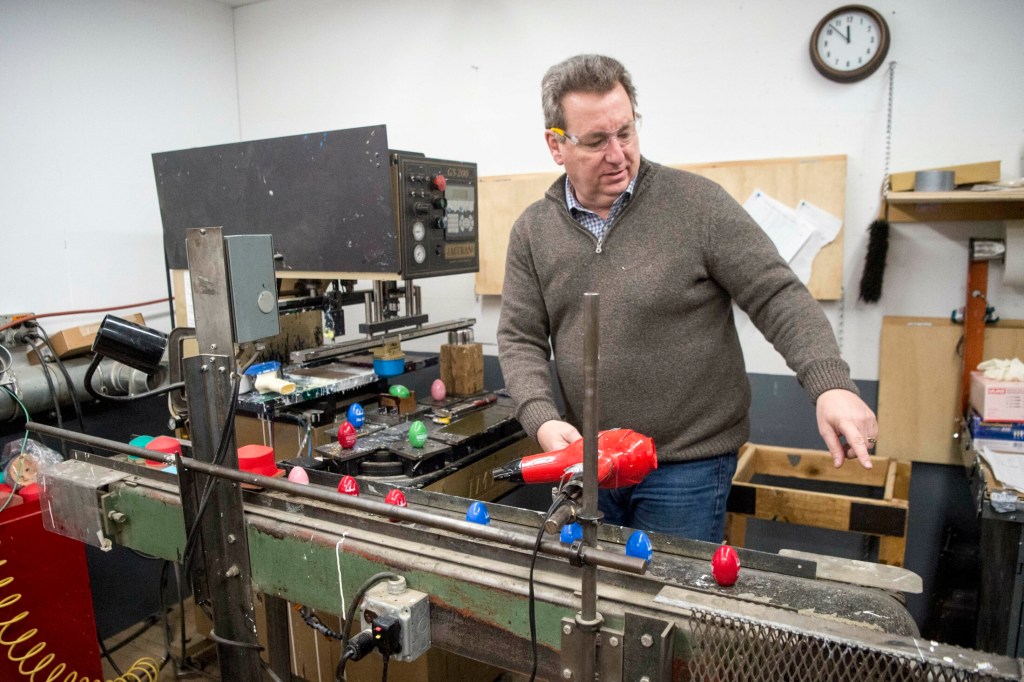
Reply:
x=846, y=36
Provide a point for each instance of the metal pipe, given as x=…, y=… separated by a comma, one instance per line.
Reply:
x=589, y=620
x=368, y=311
x=324, y=353
x=589, y=555
x=410, y=302
x=112, y=378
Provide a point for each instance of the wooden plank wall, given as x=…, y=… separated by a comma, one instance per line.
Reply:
x=919, y=384
x=820, y=180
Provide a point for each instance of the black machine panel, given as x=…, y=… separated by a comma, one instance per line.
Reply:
x=325, y=198
x=436, y=208
x=334, y=202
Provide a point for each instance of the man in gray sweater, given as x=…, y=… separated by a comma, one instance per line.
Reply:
x=668, y=252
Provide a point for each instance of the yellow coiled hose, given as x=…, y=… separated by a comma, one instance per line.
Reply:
x=143, y=670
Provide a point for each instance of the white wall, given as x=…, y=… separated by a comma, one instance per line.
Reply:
x=89, y=90
x=716, y=80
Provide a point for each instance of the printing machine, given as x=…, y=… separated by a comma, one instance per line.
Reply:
x=255, y=544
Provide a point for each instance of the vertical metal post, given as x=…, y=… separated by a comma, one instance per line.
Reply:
x=589, y=620
x=974, y=325
x=225, y=575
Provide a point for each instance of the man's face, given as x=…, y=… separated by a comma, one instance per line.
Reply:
x=599, y=176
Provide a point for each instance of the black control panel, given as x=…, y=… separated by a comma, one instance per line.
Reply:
x=436, y=211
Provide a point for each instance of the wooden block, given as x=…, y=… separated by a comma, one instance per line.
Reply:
x=884, y=518
x=462, y=368
x=390, y=404
x=966, y=174
x=919, y=384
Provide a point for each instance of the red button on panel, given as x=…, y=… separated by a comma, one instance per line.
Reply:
x=440, y=182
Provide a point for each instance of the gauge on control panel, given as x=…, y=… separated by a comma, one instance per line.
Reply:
x=437, y=219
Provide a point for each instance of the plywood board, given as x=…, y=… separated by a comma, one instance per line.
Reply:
x=919, y=384
x=818, y=180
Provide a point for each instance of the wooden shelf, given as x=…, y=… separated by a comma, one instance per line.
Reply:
x=963, y=205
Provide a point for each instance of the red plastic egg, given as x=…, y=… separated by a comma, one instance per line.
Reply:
x=725, y=566
x=349, y=486
x=347, y=435
x=397, y=498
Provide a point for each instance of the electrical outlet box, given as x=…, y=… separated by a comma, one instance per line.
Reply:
x=250, y=264
x=410, y=607
x=7, y=335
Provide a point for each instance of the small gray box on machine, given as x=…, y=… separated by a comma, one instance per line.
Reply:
x=250, y=264
x=410, y=607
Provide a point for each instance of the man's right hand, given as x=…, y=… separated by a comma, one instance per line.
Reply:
x=555, y=435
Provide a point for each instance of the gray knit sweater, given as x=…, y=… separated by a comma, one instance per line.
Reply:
x=671, y=366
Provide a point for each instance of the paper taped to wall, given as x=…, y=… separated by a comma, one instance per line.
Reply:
x=779, y=222
x=797, y=234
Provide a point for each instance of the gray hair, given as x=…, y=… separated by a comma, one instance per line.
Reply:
x=590, y=73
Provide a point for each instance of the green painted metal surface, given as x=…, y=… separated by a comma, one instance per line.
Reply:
x=154, y=522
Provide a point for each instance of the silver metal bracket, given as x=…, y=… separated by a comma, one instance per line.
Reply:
x=71, y=495
x=641, y=651
x=647, y=648
x=609, y=652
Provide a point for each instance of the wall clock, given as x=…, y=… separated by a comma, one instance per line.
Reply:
x=849, y=43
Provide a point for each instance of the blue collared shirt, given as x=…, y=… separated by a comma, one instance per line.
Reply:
x=594, y=223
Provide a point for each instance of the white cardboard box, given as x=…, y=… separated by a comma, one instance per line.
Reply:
x=997, y=401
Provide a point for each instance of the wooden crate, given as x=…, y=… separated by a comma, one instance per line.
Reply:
x=884, y=518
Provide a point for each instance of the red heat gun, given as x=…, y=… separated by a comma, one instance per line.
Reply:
x=624, y=458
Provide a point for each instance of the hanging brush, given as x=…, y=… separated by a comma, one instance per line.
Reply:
x=878, y=232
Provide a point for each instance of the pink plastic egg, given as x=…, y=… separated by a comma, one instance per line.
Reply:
x=298, y=475
x=438, y=390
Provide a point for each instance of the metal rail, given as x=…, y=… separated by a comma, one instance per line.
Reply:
x=359, y=345
x=588, y=555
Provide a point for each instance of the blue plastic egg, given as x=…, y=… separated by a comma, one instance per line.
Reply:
x=639, y=546
x=477, y=513
x=356, y=415
x=571, y=532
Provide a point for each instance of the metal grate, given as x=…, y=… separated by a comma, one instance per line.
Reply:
x=733, y=649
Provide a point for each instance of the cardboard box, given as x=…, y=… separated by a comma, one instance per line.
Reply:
x=997, y=401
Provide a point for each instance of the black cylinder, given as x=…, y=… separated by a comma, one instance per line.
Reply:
x=131, y=344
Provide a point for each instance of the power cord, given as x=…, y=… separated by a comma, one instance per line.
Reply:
x=24, y=442
x=193, y=533
x=562, y=497
x=350, y=613
x=312, y=621
x=54, y=397
x=94, y=365
x=63, y=370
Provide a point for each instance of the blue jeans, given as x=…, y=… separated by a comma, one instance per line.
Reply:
x=686, y=499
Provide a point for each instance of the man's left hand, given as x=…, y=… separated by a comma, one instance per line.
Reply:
x=842, y=413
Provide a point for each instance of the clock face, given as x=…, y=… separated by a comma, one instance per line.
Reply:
x=850, y=43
